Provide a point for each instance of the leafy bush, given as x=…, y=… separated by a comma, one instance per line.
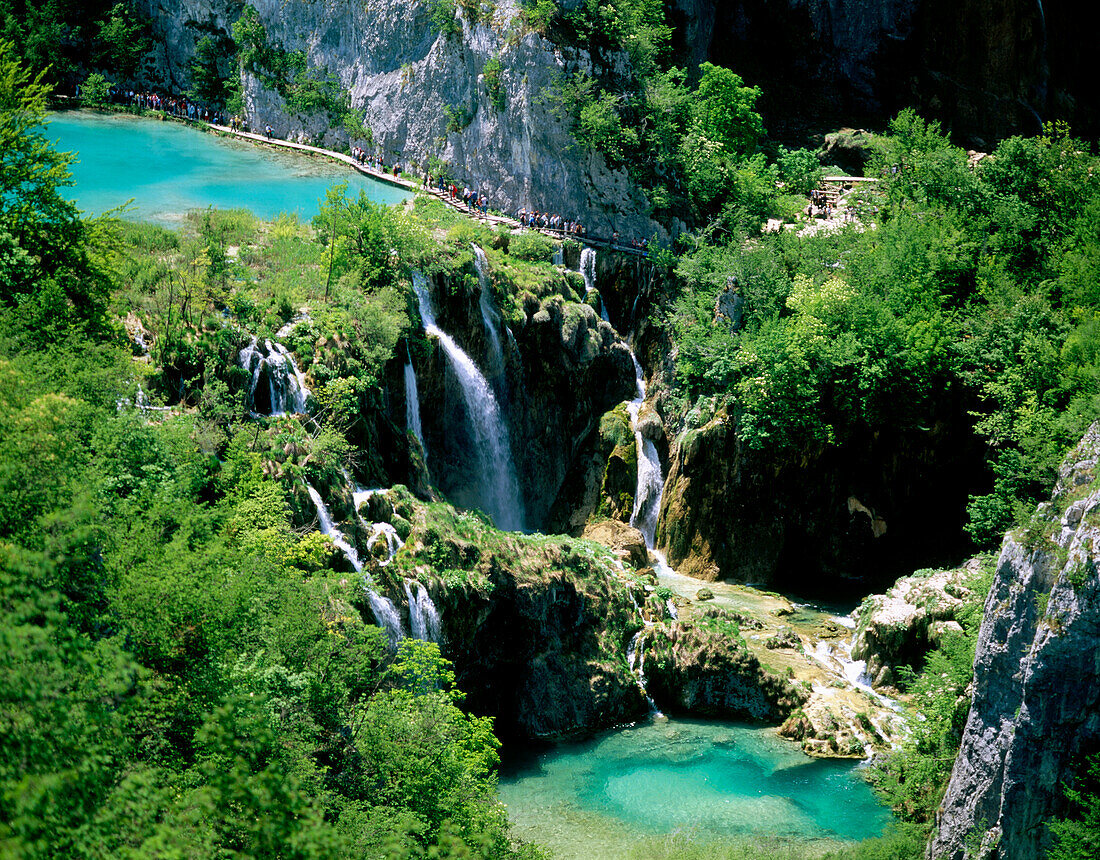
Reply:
x=532, y=247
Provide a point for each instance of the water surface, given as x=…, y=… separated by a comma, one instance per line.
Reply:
x=709, y=780
x=169, y=168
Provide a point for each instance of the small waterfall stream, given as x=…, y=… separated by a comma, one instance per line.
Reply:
x=329, y=528
x=635, y=659
x=499, y=490
x=385, y=613
x=488, y=314
x=412, y=404
x=423, y=615
x=286, y=384
x=647, y=496
x=588, y=272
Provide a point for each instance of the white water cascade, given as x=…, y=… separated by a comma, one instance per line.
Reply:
x=559, y=256
x=423, y=615
x=385, y=613
x=412, y=404
x=635, y=659
x=286, y=384
x=329, y=528
x=647, y=496
x=488, y=314
x=499, y=490
x=588, y=272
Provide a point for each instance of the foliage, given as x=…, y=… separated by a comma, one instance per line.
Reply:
x=533, y=247
x=1076, y=836
x=305, y=90
x=442, y=14
x=493, y=73
x=95, y=90
x=123, y=39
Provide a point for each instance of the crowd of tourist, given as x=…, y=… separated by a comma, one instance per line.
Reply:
x=473, y=201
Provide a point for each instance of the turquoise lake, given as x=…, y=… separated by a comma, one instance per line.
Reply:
x=684, y=778
x=168, y=169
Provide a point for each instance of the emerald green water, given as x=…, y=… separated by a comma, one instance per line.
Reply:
x=708, y=780
x=168, y=169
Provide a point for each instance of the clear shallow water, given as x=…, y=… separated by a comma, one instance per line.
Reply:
x=598, y=798
x=169, y=168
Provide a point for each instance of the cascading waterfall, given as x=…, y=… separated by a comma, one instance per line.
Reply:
x=286, y=384
x=559, y=256
x=635, y=659
x=647, y=496
x=588, y=272
x=385, y=613
x=386, y=534
x=499, y=487
x=329, y=528
x=488, y=315
x=412, y=403
x=424, y=621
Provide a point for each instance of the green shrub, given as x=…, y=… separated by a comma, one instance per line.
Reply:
x=532, y=247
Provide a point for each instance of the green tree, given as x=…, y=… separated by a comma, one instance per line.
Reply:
x=123, y=38
x=95, y=90
x=44, y=246
x=725, y=111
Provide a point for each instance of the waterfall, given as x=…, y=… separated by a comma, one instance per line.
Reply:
x=485, y=302
x=423, y=616
x=286, y=384
x=647, y=496
x=385, y=613
x=328, y=528
x=588, y=268
x=499, y=488
x=588, y=272
x=559, y=256
x=386, y=533
x=635, y=659
x=412, y=404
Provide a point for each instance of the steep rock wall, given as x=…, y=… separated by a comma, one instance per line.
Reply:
x=405, y=74
x=875, y=507
x=988, y=69
x=1036, y=705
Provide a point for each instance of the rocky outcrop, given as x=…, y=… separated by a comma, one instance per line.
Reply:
x=876, y=506
x=626, y=541
x=704, y=668
x=424, y=94
x=537, y=629
x=900, y=627
x=1036, y=703
x=987, y=69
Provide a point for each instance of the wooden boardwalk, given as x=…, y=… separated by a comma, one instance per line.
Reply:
x=418, y=188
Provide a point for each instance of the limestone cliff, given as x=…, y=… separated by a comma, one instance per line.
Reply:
x=407, y=76
x=876, y=506
x=537, y=628
x=986, y=69
x=1036, y=704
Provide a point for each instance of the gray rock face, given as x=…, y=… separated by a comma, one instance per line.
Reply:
x=405, y=74
x=899, y=627
x=1036, y=705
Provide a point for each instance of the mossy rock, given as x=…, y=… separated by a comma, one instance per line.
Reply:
x=704, y=594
